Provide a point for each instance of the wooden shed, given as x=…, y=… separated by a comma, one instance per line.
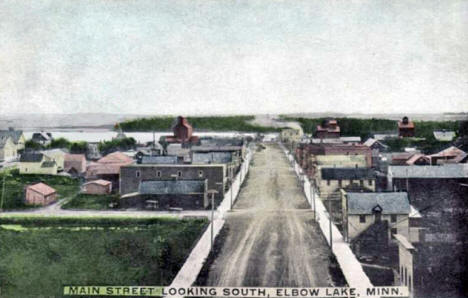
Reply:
x=40, y=194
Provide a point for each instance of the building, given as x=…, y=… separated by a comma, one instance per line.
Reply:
x=75, y=164
x=108, y=168
x=375, y=144
x=405, y=128
x=167, y=194
x=58, y=155
x=43, y=138
x=331, y=179
x=183, y=132
x=361, y=210
x=444, y=135
x=37, y=163
x=97, y=187
x=40, y=194
x=8, y=150
x=182, y=151
x=307, y=155
x=17, y=137
x=290, y=135
x=327, y=129
x=132, y=175
x=406, y=254
x=159, y=159
x=449, y=155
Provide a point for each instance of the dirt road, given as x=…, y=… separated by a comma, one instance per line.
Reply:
x=271, y=238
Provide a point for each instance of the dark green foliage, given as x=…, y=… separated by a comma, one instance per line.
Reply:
x=366, y=127
x=31, y=145
x=117, y=145
x=218, y=123
x=73, y=147
x=427, y=146
x=40, y=261
x=87, y=201
x=15, y=184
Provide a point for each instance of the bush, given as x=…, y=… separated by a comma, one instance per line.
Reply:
x=117, y=145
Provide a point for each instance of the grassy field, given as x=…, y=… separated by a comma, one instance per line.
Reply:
x=41, y=255
x=214, y=123
x=95, y=202
x=15, y=183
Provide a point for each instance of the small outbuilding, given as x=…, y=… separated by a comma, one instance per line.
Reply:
x=40, y=194
x=97, y=187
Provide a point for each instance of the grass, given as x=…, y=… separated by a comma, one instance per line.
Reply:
x=94, y=202
x=15, y=184
x=214, y=123
x=47, y=253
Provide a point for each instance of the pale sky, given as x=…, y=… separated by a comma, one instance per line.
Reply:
x=233, y=57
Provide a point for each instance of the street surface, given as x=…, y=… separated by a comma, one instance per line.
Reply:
x=271, y=238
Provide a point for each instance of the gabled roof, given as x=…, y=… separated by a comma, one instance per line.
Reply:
x=99, y=182
x=449, y=152
x=440, y=171
x=115, y=158
x=43, y=135
x=31, y=157
x=390, y=202
x=403, y=241
x=4, y=140
x=14, y=134
x=216, y=148
x=74, y=157
x=42, y=188
x=159, y=159
x=444, y=135
x=172, y=187
x=347, y=173
x=417, y=157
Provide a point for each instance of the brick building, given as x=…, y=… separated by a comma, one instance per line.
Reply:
x=328, y=129
x=405, y=128
x=183, y=132
x=131, y=176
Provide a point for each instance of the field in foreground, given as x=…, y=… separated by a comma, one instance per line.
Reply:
x=41, y=255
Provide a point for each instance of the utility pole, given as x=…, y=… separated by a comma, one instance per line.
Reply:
x=232, y=185
x=330, y=222
x=212, y=192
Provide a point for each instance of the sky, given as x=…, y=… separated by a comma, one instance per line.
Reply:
x=233, y=57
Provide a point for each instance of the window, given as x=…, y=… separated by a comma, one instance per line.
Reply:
x=179, y=174
x=393, y=231
x=393, y=217
x=137, y=173
x=361, y=182
x=406, y=274
x=158, y=174
x=362, y=218
x=370, y=181
x=340, y=183
x=200, y=174
x=328, y=182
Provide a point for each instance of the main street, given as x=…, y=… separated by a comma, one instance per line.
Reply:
x=271, y=239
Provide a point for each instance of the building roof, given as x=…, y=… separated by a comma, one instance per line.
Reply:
x=103, y=169
x=403, y=241
x=440, y=171
x=42, y=188
x=99, y=182
x=347, y=173
x=390, y=202
x=172, y=187
x=209, y=141
x=14, y=134
x=216, y=148
x=444, y=135
x=43, y=135
x=159, y=159
x=31, y=157
x=115, y=157
x=211, y=157
x=413, y=159
x=383, y=136
x=4, y=139
x=75, y=157
x=449, y=152
x=54, y=151
x=350, y=139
